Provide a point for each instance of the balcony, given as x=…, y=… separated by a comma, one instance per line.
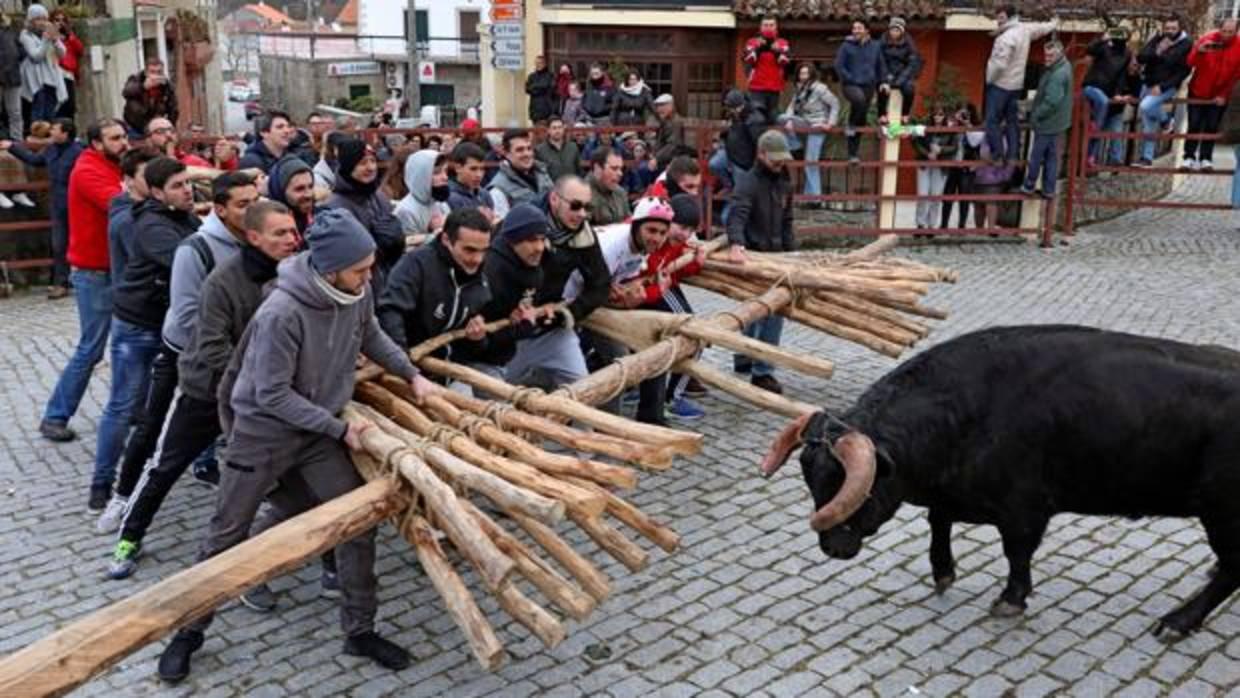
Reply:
x=448, y=50
x=639, y=4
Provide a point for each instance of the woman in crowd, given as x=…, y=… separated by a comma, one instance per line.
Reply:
x=933, y=147
x=960, y=179
x=633, y=103
x=816, y=108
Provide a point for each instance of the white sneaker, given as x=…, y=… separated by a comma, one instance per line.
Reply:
x=20, y=198
x=1190, y=164
x=5, y=202
x=110, y=520
x=1207, y=165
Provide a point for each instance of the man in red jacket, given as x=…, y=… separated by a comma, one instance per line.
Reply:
x=1215, y=60
x=95, y=179
x=767, y=56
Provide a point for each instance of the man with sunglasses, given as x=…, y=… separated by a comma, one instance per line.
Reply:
x=553, y=356
x=162, y=136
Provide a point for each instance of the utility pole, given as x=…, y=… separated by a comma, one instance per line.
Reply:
x=414, y=92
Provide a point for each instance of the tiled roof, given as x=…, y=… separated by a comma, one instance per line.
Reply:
x=270, y=14
x=838, y=9
x=348, y=14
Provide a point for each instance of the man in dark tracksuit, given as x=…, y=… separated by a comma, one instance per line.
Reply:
x=513, y=269
x=762, y=219
x=440, y=287
x=230, y=296
x=289, y=378
x=58, y=157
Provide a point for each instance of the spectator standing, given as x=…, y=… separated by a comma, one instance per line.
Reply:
x=465, y=185
x=69, y=62
x=1050, y=117
x=540, y=86
x=1164, y=67
x=931, y=180
x=11, y=84
x=640, y=169
x=633, y=102
x=563, y=79
x=43, y=85
x=599, y=95
x=903, y=65
x=1005, y=79
x=521, y=178
x=761, y=219
x=357, y=191
x=815, y=108
x=573, y=111
x=325, y=168
x=861, y=67
x=1109, y=58
x=120, y=210
x=560, y=155
x=162, y=136
x=682, y=176
x=960, y=179
x=58, y=157
x=609, y=202
x=93, y=182
x=148, y=94
x=767, y=57
x=746, y=123
x=275, y=131
x=1230, y=135
x=670, y=138
x=1215, y=60
x=423, y=210
x=224, y=155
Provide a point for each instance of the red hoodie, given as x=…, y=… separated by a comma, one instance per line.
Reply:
x=768, y=63
x=663, y=257
x=92, y=184
x=73, y=54
x=1215, y=72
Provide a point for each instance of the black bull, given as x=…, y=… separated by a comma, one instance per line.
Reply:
x=1011, y=425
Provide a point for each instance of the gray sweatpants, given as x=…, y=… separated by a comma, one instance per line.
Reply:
x=554, y=356
x=296, y=476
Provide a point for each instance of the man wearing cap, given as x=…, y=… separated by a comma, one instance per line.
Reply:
x=560, y=155
x=290, y=376
x=513, y=270
x=761, y=219
x=671, y=133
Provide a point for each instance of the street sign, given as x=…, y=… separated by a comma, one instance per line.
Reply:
x=504, y=14
x=508, y=30
x=503, y=46
x=426, y=72
x=507, y=3
x=507, y=62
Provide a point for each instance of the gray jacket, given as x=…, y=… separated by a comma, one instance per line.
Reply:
x=417, y=208
x=1010, y=54
x=189, y=270
x=509, y=188
x=41, y=66
x=10, y=57
x=292, y=372
x=815, y=103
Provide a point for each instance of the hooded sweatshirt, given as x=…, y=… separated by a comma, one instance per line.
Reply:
x=142, y=294
x=277, y=183
x=292, y=372
x=1010, y=54
x=1216, y=70
x=416, y=209
x=189, y=269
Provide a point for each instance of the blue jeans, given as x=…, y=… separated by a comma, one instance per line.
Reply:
x=1098, y=104
x=768, y=330
x=1235, y=181
x=1002, y=118
x=43, y=106
x=813, y=174
x=1116, y=146
x=1150, y=109
x=93, y=292
x=133, y=350
x=1044, y=159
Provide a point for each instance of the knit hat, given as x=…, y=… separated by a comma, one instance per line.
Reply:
x=337, y=241
x=686, y=211
x=897, y=23
x=349, y=152
x=734, y=99
x=470, y=125
x=523, y=222
x=36, y=11
x=278, y=178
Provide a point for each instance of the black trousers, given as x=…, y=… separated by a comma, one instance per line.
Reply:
x=859, y=98
x=145, y=435
x=654, y=393
x=1203, y=119
x=906, y=103
x=193, y=426
x=769, y=100
x=959, y=181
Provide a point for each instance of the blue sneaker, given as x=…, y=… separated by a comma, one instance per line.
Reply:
x=682, y=408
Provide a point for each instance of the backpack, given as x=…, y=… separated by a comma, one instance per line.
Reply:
x=204, y=252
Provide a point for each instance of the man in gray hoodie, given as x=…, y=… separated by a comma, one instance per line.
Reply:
x=423, y=210
x=289, y=378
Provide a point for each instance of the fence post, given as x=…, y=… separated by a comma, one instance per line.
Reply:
x=888, y=152
x=1078, y=150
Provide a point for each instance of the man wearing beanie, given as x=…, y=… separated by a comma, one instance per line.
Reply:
x=291, y=182
x=440, y=287
x=513, y=271
x=357, y=191
x=289, y=377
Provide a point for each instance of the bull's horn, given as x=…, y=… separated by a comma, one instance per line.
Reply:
x=787, y=442
x=856, y=453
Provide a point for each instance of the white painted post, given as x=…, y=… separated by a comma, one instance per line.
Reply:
x=889, y=151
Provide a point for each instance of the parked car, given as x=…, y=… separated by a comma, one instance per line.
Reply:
x=238, y=93
x=252, y=109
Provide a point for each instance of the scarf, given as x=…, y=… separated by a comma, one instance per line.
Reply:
x=338, y=297
x=258, y=267
x=635, y=90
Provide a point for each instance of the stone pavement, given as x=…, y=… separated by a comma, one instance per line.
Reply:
x=749, y=606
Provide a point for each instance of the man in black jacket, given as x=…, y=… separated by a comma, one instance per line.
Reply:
x=556, y=352
x=1164, y=65
x=1109, y=57
x=540, y=86
x=762, y=219
x=139, y=301
x=440, y=287
x=513, y=270
x=230, y=295
x=275, y=133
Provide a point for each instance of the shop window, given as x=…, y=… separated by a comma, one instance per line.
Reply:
x=705, y=91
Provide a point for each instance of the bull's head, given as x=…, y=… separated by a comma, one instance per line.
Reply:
x=842, y=469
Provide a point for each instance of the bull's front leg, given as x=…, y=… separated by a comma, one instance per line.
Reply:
x=942, y=564
x=1020, y=540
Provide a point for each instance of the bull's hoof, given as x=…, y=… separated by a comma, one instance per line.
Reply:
x=1170, y=629
x=943, y=583
x=1006, y=609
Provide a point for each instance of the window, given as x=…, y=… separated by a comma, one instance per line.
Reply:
x=705, y=91
x=356, y=91
x=468, y=25
x=422, y=26
x=442, y=95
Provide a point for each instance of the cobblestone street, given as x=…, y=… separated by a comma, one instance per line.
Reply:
x=749, y=606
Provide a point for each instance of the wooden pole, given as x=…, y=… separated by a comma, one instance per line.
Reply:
x=67, y=658
x=595, y=583
x=612, y=541
x=746, y=391
x=801, y=363
x=638, y=520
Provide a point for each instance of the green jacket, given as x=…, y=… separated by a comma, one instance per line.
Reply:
x=1052, y=107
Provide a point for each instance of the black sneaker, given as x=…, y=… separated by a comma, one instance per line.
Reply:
x=174, y=662
x=384, y=653
x=99, y=497
x=738, y=367
x=208, y=476
x=260, y=598
x=767, y=383
x=54, y=431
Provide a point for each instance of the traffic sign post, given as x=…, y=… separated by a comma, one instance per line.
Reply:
x=507, y=34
